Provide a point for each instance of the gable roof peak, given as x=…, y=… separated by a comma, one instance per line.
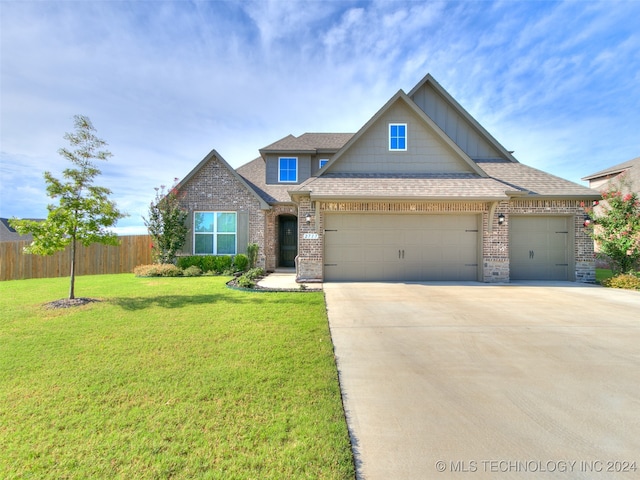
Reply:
x=401, y=96
x=215, y=156
x=429, y=80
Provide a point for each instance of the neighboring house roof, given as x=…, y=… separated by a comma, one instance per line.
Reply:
x=9, y=234
x=213, y=154
x=631, y=167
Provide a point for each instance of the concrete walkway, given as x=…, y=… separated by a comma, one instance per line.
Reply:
x=476, y=381
x=286, y=280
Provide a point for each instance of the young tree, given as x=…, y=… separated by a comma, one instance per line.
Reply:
x=617, y=226
x=166, y=224
x=83, y=212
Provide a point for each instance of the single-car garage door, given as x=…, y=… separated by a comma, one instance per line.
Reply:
x=371, y=247
x=540, y=248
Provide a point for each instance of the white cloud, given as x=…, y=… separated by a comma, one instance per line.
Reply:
x=166, y=82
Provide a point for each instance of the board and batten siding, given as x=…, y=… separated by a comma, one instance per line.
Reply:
x=453, y=124
x=426, y=152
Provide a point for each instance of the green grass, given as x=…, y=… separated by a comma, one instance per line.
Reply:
x=602, y=274
x=167, y=378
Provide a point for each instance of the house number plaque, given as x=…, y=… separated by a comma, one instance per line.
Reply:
x=310, y=236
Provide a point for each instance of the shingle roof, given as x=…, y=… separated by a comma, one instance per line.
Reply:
x=254, y=174
x=505, y=178
x=310, y=142
x=615, y=169
x=442, y=186
x=528, y=179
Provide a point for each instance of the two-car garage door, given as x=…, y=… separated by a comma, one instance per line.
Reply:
x=408, y=247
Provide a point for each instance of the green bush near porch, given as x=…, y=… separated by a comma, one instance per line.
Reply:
x=168, y=378
x=217, y=264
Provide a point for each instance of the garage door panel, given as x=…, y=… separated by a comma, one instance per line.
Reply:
x=401, y=247
x=540, y=248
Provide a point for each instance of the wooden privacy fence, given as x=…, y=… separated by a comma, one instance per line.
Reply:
x=95, y=259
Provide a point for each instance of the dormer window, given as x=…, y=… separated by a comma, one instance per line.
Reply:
x=287, y=169
x=397, y=137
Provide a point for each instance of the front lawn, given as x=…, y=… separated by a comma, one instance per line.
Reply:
x=167, y=378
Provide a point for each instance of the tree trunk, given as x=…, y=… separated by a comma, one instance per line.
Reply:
x=73, y=270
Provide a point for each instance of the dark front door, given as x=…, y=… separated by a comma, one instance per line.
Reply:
x=288, y=241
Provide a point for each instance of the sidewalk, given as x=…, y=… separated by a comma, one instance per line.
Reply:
x=286, y=281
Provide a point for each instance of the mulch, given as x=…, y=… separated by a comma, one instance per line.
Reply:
x=70, y=302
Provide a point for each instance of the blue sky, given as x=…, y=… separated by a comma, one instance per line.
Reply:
x=165, y=82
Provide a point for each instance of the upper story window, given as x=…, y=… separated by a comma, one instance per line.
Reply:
x=397, y=136
x=215, y=233
x=288, y=169
x=323, y=162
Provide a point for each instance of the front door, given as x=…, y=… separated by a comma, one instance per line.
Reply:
x=288, y=240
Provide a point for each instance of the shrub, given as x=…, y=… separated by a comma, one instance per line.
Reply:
x=252, y=253
x=254, y=273
x=207, y=263
x=166, y=224
x=192, y=271
x=245, y=282
x=241, y=262
x=189, y=261
x=157, y=270
x=627, y=281
x=222, y=264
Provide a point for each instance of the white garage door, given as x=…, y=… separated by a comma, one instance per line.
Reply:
x=541, y=248
x=370, y=247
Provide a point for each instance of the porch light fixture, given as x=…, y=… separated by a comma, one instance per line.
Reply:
x=308, y=218
x=500, y=219
x=587, y=221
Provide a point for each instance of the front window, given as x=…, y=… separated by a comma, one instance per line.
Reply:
x=215, y=233
x=398, y=136
x=323, y=162
x=288, y=169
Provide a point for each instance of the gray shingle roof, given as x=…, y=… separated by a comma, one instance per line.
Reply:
x=528, y=179
x=615, y=169
x=310, y=142
x=505, y=177
x=254, y=173
x=443, y=186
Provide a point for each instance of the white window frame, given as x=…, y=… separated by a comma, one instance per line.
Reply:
x=215, y=232
x=320, y=164
x=406, y=135
x=280, y=170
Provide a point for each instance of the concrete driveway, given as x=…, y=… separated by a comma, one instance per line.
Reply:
x=526, y=380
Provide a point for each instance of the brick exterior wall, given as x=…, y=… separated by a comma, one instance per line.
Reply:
x=309, y=264
x=214, y=188
x=272, y=224
x=495, y=237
